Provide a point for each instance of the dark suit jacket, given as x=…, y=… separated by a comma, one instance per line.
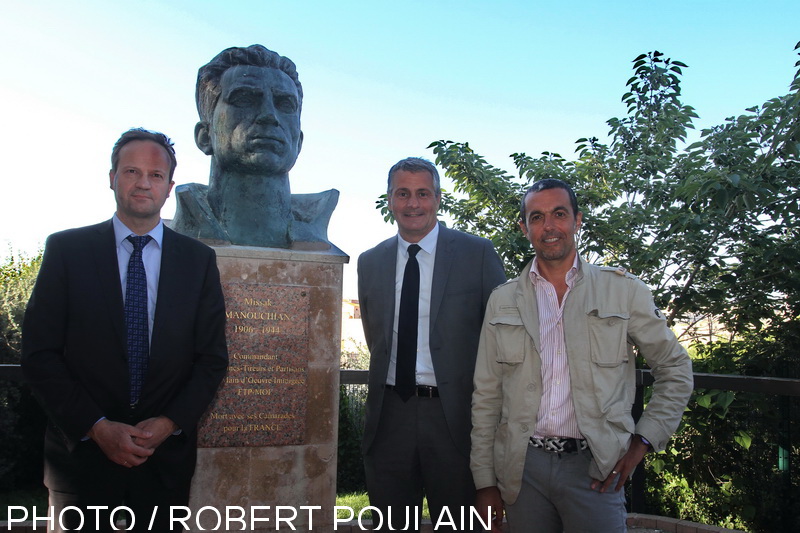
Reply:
x=74, y=350
x=465, y=272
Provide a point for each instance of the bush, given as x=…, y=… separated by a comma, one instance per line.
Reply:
x=350, y=470
x=22, y=421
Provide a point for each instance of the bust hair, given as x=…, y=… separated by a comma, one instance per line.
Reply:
x=141, y=134
x=208, y=76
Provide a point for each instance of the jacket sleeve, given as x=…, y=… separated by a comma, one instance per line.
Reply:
x=210, y=360
x=670, y=365
x=363, y=298
x=493, y=272
x=487, y=402
x=44, y=338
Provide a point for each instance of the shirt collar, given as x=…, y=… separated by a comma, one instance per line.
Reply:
x=121, y=232
x=427, y=243
x=572, y=273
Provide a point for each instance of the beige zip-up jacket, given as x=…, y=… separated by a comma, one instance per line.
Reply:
x=605, y=314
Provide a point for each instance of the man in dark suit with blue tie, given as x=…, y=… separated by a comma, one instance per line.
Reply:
x=422, y=296
x=124, y=346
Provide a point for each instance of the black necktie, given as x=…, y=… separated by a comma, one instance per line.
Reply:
x=408, y=322
x=136, y=319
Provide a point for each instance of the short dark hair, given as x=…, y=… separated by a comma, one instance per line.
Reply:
x=208, y=90
x=549, y=183
x=141, y=134
x=415, y=164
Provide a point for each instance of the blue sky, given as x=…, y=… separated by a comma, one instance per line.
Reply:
x=382, y=80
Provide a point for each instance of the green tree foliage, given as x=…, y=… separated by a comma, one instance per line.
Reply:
x=712, y=227
x=21, y=419
x=708, y=226
x=17, y=276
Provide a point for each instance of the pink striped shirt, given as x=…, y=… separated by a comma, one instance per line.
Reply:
x=556, y=416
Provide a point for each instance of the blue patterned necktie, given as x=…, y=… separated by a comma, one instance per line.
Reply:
x=136, y=319
x=407, y=325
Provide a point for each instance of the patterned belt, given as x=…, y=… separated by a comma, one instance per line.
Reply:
x=559, y=444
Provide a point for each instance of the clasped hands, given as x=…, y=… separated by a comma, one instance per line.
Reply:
x=128, y=445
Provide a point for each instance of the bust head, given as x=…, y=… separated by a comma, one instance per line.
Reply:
x=249, y=101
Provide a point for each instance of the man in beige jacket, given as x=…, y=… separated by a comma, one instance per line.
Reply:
x=553, y=439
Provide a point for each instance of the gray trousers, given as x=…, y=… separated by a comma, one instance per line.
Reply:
x=556, y=497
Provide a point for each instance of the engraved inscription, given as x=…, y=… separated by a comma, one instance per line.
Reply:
x=262, y=401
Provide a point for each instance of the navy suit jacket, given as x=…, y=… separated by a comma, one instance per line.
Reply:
x=465, y=272
x=74, y=350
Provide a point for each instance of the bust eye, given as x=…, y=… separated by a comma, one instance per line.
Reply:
x=244, y=98
x=285, y=103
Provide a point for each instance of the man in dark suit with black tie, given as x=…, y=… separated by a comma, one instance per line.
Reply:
x=422, y=295
x=124, y=346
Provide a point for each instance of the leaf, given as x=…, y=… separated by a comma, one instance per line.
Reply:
x=657, y=464
x=704, y=400
x=743, y=439
x=721, y=198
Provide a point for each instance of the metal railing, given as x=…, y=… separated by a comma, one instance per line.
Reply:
x=785, y=388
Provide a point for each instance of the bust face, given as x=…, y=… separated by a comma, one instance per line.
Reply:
x=255, y=128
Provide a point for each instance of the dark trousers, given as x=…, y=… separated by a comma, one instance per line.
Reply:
x=413, y=455
x=137, y=488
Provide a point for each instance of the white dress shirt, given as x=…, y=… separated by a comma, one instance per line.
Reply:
x=151, y=257
x=425, y=257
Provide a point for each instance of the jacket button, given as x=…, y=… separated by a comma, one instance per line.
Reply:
x=531, y=387
x=524, y=428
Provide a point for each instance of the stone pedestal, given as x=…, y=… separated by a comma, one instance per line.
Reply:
x=267, y=445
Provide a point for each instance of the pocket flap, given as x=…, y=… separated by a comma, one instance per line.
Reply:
x=506, y=320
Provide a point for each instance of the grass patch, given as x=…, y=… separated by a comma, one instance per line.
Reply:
x=358, y=500
x=28, y=498
x=37, y=497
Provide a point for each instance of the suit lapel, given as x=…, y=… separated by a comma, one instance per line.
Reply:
x=170, y=271
x=445, y=251
x=104, y=252
x=386, y=280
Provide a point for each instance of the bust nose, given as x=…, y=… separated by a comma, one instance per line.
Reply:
x=266, y=117
x=266, y=112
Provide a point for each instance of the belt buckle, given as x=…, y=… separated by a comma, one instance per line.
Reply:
x=558, y=444
x=425, y=391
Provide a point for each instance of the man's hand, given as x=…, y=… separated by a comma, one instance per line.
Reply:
x=159, y=429
x=489, y=498
x=118, y=442
x=624, y=467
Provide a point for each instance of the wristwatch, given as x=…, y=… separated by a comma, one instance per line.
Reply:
x=645, y=442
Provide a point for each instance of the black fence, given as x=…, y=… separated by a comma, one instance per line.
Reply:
x=784, y=409
x=786, y=391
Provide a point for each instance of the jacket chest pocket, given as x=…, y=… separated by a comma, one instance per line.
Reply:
x=608, y=334
x=511, y=337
